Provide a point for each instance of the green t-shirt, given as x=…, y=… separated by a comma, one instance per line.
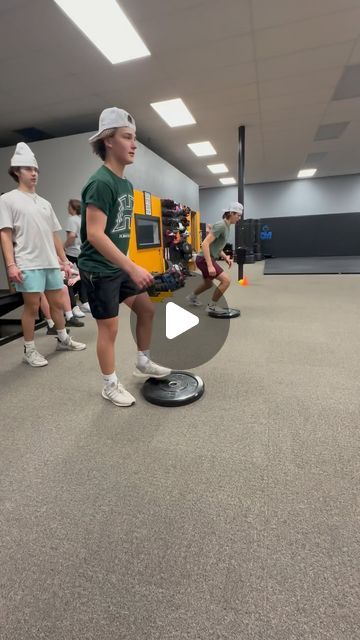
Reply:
x=115, y=197
x=221, y=231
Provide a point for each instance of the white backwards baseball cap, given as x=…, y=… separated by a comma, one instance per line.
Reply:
x=236, y=207
x=23, y=156
x=113, y=118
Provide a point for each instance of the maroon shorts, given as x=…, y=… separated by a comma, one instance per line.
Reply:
x=201, y=264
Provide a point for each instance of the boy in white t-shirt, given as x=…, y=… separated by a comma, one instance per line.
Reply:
x=32, y=251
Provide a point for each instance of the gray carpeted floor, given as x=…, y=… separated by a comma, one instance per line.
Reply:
x=234, y=518
x=315, y=265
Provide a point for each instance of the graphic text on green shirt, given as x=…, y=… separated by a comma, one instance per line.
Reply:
x=114, y=196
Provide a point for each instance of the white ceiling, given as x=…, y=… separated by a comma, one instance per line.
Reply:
x=272, y=65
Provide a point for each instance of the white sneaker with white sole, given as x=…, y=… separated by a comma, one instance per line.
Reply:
x=77, y=313
x=70, y=345
x=117, y=394
x=215, y=309
x=34, y=358
x=193, y=300
x=151, y=370
x=85, y=307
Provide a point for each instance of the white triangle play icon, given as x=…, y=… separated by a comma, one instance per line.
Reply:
x=178, y=320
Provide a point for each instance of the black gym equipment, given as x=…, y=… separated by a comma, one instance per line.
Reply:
x=178, y=389
x=240, y=259
x=230, y=313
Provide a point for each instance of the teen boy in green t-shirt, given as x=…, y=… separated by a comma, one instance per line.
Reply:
x=109, y=275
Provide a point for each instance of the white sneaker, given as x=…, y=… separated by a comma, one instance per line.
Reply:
x=70, y=345
x=77, y=313
x=34, y=358
x=193, y=300
x=215, y=309
x=116, y=393
x=85, y=307
x=151, y=370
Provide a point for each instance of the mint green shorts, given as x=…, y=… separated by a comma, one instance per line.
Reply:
x=40, y=280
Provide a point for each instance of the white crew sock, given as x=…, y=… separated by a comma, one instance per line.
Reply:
x=68, y=315
x=143, y=358
x=111, y=378
x=50, y=323
x=29, y=346
x=62, y=335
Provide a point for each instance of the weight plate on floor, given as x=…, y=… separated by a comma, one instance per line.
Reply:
x=178, y=389
x=230, y=313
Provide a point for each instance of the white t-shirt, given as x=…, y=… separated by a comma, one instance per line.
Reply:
x=73, y=224
x=33, y=221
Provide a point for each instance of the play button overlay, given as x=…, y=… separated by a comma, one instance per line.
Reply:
x=178, y=320
x=185, y=337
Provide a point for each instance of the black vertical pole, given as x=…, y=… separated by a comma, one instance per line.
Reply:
x=241, y=182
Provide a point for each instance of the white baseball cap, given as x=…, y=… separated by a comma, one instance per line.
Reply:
x=23, y=156
x=236, y=207
x=113, y=118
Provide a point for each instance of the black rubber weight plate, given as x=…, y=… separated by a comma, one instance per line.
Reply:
x=178, y=389
x=231, y=313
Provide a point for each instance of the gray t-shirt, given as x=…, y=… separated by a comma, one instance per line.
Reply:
x=73, y=224
x=221, y=231
x=33, y=222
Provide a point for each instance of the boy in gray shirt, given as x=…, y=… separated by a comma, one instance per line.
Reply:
x=212, y=248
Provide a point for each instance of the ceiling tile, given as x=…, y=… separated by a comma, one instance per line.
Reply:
x=304, y=83
x=314, y=159
x=349, y=83
x=327, y=30
x=355, y=53
x=306, y=61
x=331, y=131
x=342, y=110
x=279, y=12
x=296, y=101
x=201, y=24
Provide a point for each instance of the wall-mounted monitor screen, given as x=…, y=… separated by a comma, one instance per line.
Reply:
x=147, y=231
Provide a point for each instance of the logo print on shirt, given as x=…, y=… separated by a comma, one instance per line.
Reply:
x=123, y=219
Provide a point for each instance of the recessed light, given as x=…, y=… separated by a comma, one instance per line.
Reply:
x=108, y=28
x=174, y=112
x=306, y=173
x=227, y=180
x=218, y=168
x=202, y=148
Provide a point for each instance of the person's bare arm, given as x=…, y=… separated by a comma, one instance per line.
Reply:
x=59, y=248
x=70, y=237
x=226, y=258
x=64, y=262
x=95, y=226
x=6, y=237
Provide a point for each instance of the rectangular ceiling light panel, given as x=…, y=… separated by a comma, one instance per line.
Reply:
x=202, y=148
x=218, y=168
x=174, y=112
x=226, y=181
x=306, y=173
x=108, y=28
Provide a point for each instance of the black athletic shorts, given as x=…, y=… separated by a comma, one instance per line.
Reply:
x=105, y=292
